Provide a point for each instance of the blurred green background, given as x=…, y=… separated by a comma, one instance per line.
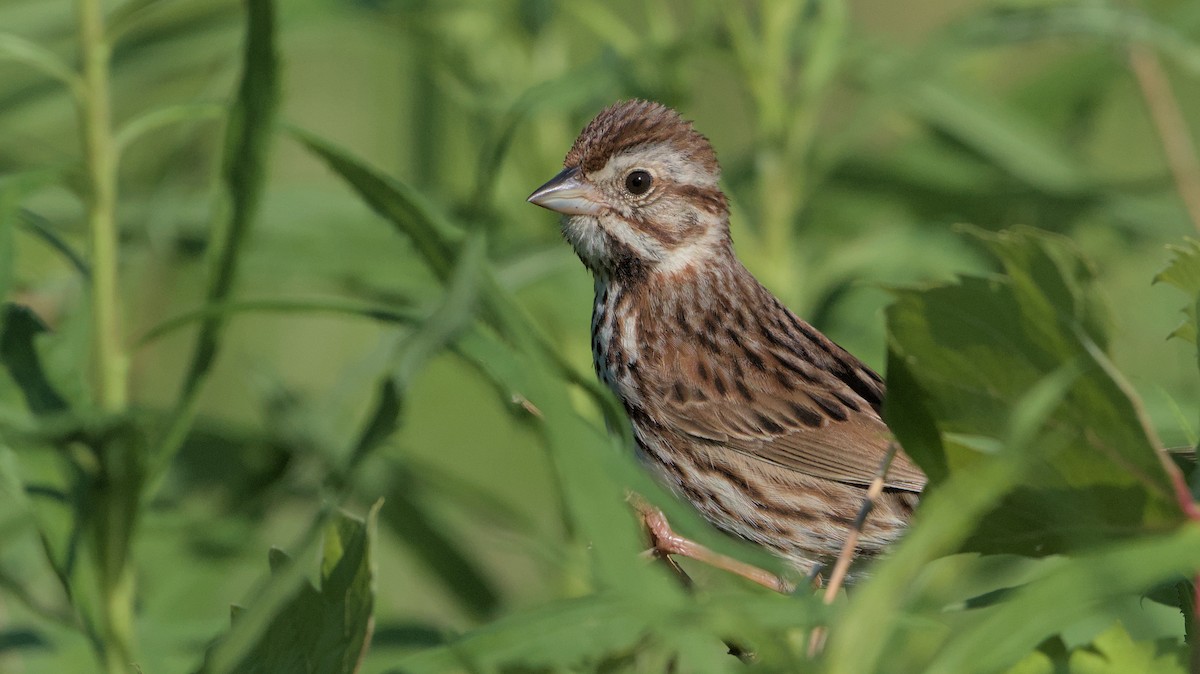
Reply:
x=853, y=137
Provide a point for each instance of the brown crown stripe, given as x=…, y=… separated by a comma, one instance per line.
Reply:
x=630, y=124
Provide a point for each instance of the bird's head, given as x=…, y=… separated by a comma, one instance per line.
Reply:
x=639, y=193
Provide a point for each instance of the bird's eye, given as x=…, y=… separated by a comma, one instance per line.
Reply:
x=638, y=182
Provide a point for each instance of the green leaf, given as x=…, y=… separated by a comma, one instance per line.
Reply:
x=434, y=237
x=1065, y=594
x=976, y=347
x=18, y=328
x=243, y=172
x=325, y=629
x=1115, y=652
x=1183, y=272
x=562, y=634
x=17, y=48
x=404, y=514
x=1011, y=141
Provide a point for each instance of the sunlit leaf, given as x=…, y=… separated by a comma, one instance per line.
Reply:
x=326, y=629
x=1115, y=652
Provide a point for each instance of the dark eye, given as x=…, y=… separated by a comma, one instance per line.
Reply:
x=638, y=182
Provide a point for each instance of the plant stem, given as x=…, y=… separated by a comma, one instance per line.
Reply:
x=109, y=363
x=109, y=360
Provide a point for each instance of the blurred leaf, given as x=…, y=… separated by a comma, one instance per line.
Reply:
x=18, y=328
x=249, y=130
x=434, y=237
x=1183, y=272
x=405, y=515
x=322, y=630
x=41, y=229
x=6, y=247
x=1114, y=23
x=563, y=634
x=1068, y=593
x=978, y=346
x=1115, y=652
x=1033, y=663
x=165, y=116
x=243, y=170
x=988, y=126
x=16, y=48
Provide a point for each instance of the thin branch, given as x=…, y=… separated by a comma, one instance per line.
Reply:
x=1172, y=128
x=842, y=567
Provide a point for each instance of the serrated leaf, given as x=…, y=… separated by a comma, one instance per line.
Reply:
x=1183, y=272
x=977, y=347
x=325, y=629
x=1115, y=652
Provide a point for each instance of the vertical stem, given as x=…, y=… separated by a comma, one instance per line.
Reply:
x=109, y=361
x=108, y=355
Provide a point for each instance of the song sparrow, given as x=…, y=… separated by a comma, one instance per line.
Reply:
x=767, y=427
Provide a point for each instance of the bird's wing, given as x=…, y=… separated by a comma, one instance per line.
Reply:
x=814, y=410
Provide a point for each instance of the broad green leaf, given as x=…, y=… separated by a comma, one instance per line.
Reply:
x=949, y=512
x=977, y=346
x=325, y=629
x=1115, y=652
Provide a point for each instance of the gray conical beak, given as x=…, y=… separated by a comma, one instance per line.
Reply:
x=566, y=193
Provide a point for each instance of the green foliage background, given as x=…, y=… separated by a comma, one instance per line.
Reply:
x=330, y=291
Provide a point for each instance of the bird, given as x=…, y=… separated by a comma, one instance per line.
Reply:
x=767, y=427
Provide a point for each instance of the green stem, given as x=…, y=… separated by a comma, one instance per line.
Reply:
x=108, y=356
x=109, y=360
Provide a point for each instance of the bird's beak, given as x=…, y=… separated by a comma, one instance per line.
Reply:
x=566, y=193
